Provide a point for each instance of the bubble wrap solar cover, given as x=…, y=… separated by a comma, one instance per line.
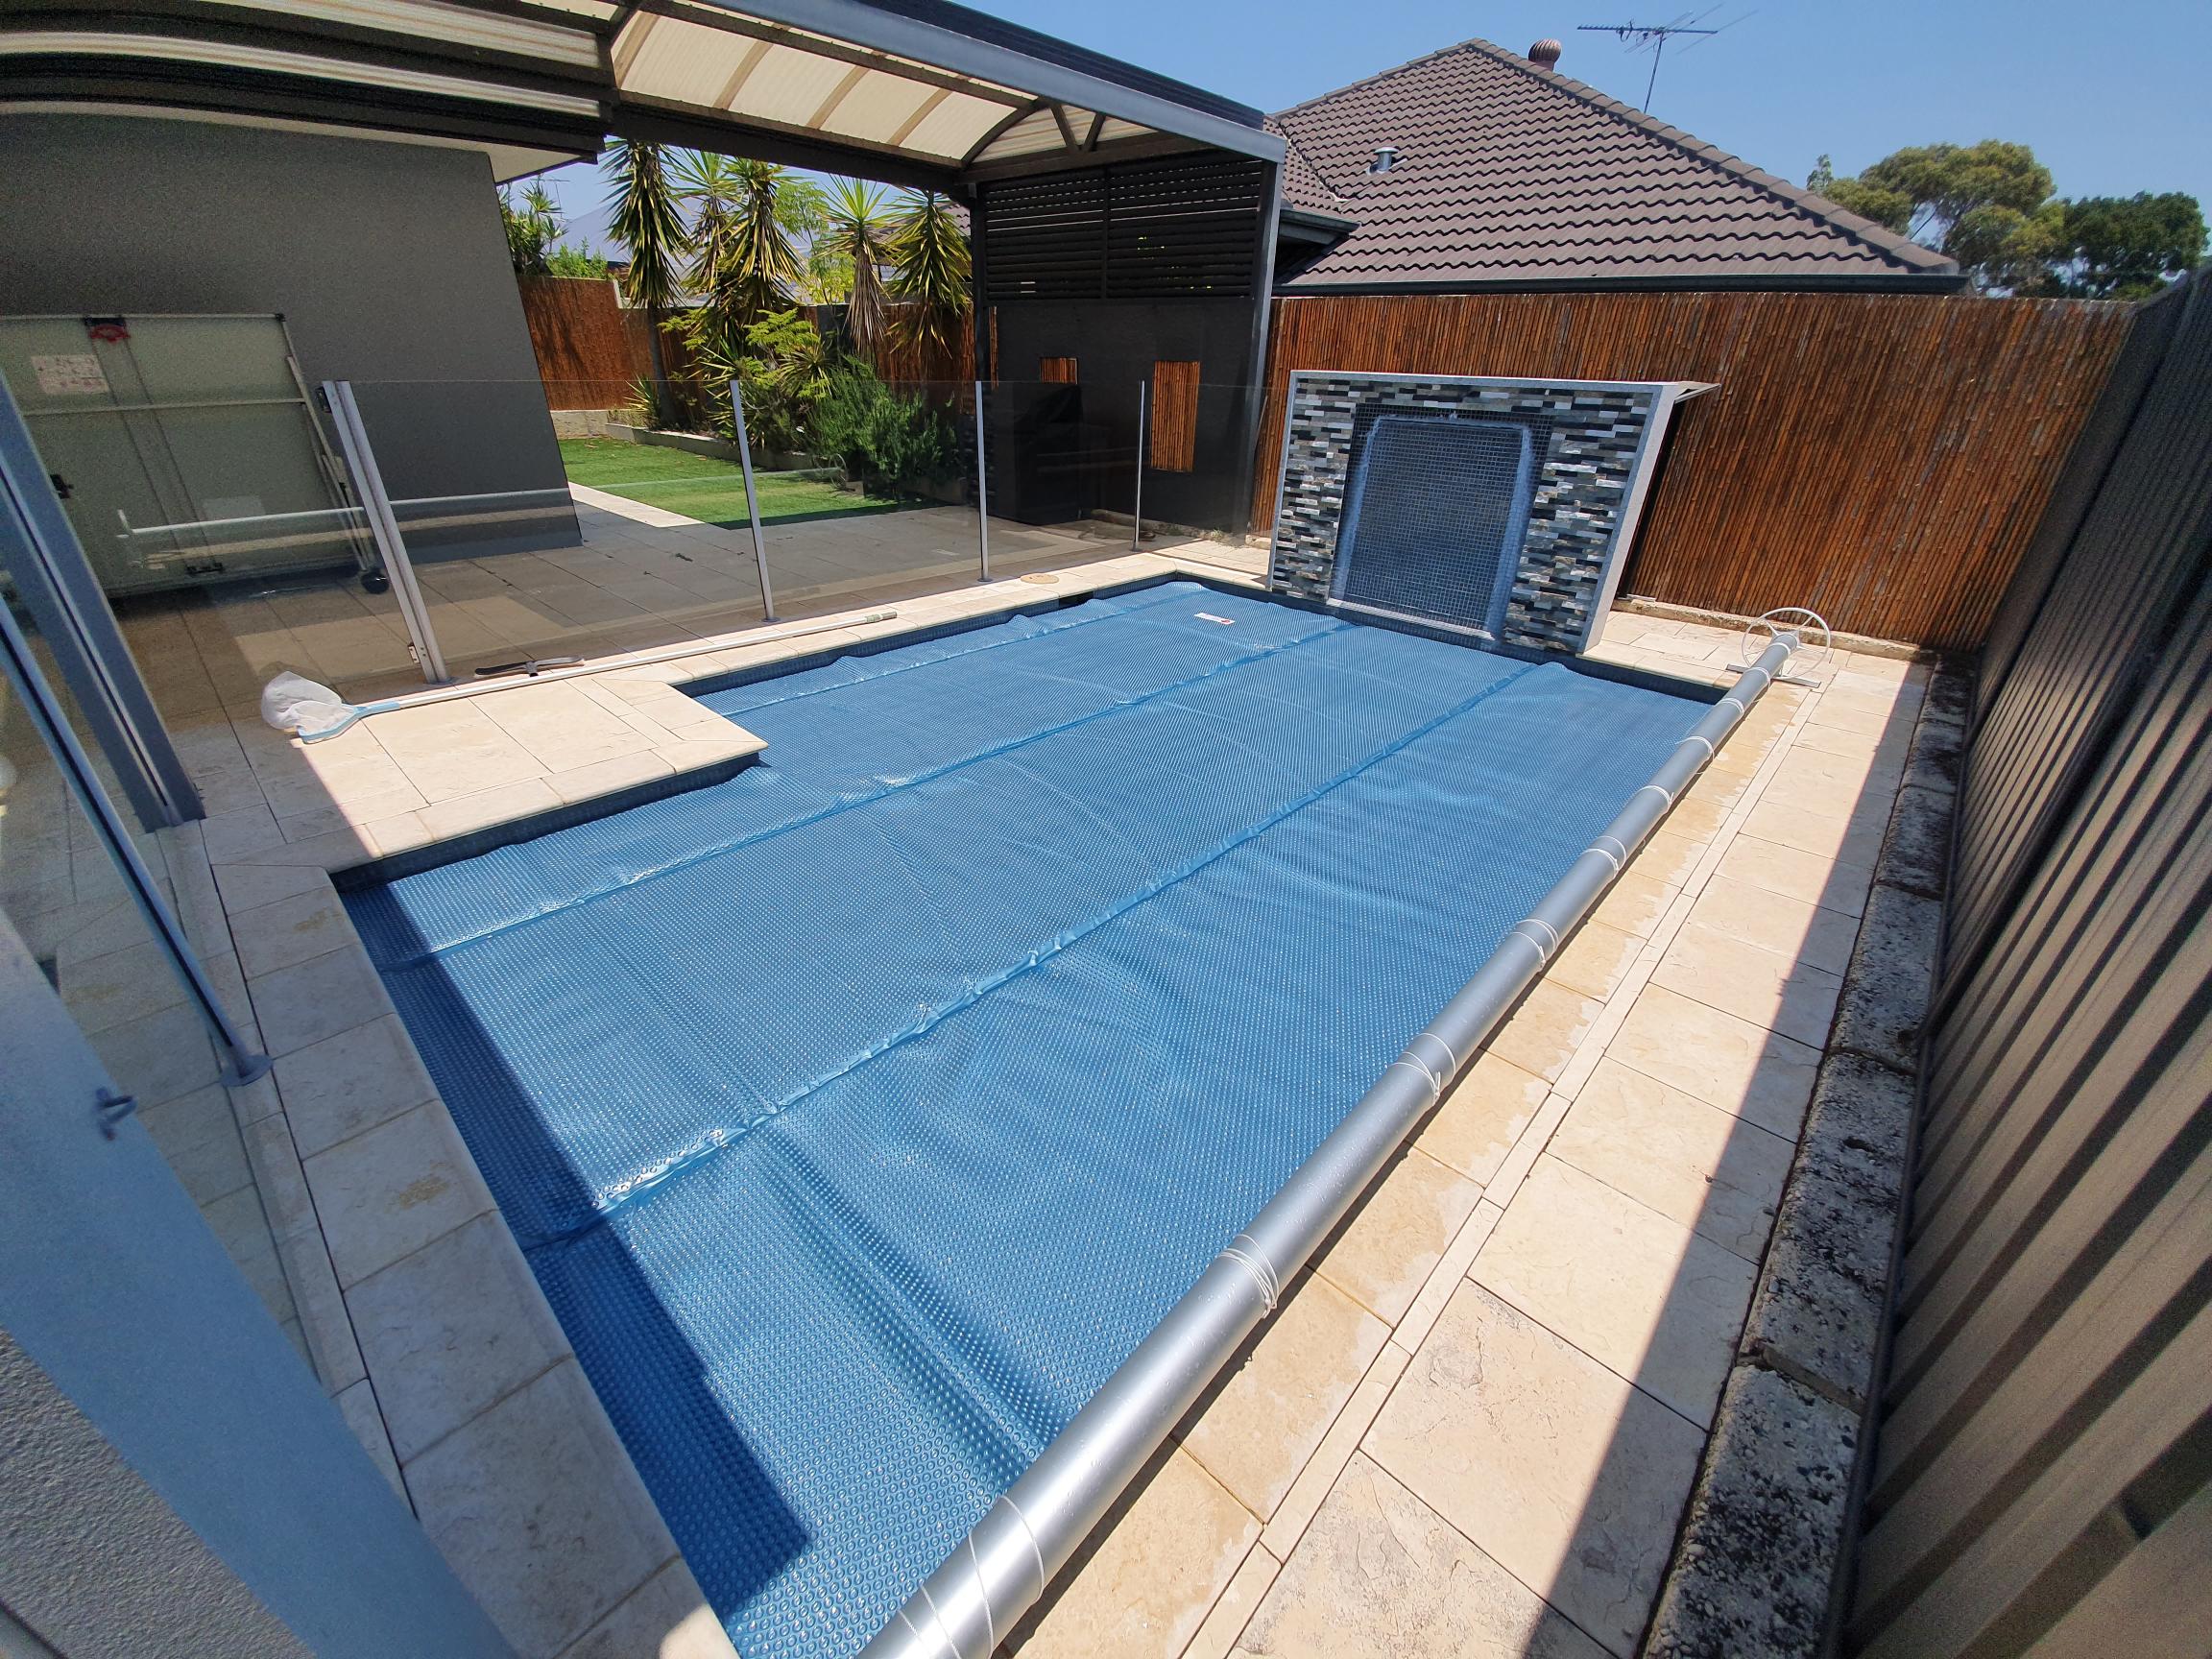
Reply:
x=861, y=1113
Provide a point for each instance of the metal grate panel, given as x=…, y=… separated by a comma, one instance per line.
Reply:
x=1435, y=518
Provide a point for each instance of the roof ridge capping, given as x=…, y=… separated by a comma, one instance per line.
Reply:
x=1901, y=248
x=1386, y=74
x=1294, y=150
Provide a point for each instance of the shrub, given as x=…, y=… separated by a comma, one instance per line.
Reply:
x=879, y=436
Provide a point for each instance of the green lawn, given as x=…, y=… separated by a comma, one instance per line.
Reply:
x=705, y=488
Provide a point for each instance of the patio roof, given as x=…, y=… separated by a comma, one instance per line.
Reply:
x=908, y=91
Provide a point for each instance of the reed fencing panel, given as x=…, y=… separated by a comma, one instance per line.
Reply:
x=590, y=348
x=1882, y=458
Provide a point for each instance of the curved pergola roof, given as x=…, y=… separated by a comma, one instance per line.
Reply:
x=908, y=91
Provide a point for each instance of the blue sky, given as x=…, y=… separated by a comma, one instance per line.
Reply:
x=2113, y=98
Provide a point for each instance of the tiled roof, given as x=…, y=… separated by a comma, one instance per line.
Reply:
x=1508, y=173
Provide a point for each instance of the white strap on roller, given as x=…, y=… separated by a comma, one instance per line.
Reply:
x=1545, y=945
x=1254, y=1261
x=1442, y=1073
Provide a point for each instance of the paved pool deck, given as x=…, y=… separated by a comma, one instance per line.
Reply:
x=1472, y=1428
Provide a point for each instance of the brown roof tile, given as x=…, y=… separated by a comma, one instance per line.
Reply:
x=1507, y=173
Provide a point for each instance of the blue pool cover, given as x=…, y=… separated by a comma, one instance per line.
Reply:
x=861, y=1113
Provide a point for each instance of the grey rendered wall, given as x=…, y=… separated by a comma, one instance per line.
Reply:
x=96, y=1563
x=387, y=261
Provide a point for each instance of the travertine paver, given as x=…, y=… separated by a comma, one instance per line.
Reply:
x=1174, y=1545
x=1551, y=1465
x=1633, y=1288
x=1272, y=1407
x=1382, y=1576
x=1673, y=1153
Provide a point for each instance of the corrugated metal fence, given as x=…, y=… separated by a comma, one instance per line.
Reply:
x=1882, y=458
x=2043, y=1472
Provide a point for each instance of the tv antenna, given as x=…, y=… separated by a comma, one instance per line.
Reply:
x=1638, y=36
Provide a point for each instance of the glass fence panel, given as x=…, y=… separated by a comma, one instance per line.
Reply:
x=1079, y=464
x=208, y=487
x=539, y=529
x=889, y=504
x=74, y=908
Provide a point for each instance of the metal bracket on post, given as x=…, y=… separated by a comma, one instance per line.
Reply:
x=982, y=497
x=384, y=526
x=752, y=501
x=1137, y=517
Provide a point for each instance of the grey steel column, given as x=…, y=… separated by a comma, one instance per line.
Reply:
x=752, y=502
x=1137, y=517
x=982, y=497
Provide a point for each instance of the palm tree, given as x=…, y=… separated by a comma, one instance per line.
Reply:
x=648, y=222
x=857, y=233
x=930, y=251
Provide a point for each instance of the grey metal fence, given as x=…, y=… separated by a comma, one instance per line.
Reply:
x=2043, y=1475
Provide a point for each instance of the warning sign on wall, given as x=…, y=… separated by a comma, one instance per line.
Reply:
x=75, y=375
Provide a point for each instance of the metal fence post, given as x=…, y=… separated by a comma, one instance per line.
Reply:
x=1137, y=517
x=376, y=506
x=982, y=497
x=752, y=502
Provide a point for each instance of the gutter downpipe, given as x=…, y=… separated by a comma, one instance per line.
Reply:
x=975, y=1599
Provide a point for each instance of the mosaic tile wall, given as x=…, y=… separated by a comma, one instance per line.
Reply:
x=1583, y=482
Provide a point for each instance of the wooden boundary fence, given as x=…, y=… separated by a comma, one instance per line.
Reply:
x=590, y=350
x=1882, y=458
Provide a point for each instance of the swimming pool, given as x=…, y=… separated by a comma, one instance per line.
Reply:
x=862, y=1112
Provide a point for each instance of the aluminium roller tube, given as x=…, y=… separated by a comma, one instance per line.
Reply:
x=971, y=1602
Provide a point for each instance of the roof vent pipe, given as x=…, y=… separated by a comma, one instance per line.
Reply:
x=1386, y=159
x=1545, y=55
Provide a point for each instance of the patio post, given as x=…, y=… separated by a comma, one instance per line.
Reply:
x=982, y=497
x=1136, y=514
x=752, y=501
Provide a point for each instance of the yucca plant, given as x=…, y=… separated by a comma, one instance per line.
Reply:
x=931, y=280
x=745, y=264
x=649, y=222
x=533, y=227
x=858, y=234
